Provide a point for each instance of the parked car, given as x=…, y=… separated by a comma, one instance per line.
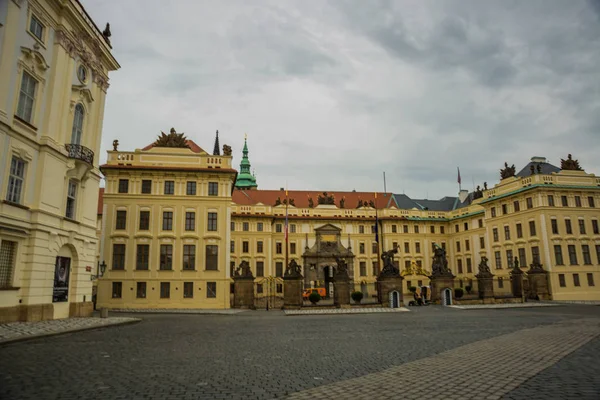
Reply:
x=322, y=292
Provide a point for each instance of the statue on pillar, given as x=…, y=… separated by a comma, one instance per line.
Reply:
x=244, y=270
x=484, y=268
x=293, y=270
x=389, y=269
x=439, y=267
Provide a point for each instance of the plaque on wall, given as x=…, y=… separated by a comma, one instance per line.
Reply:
x=62, y=269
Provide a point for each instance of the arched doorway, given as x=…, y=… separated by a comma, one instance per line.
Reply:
x=394, y=299
x=447, y=297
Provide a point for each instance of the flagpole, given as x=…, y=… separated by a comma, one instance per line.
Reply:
x=377, y=236
x=286, y=226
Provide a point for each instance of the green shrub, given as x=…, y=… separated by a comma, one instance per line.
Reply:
x=412, y=289
x=468, y=289
x=314, y=297
x=458, y=293
x=357, y=296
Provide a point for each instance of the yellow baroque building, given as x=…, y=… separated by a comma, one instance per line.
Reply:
x=54, y=66
x=542, y=214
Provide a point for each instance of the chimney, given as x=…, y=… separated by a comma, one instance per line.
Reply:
x=537, y=159
x=462, y=195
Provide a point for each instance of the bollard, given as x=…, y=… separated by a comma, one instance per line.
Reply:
x=104, y=312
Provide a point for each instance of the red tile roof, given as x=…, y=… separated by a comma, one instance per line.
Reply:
x=100, y=201
x=268, y=197
x=193, y=146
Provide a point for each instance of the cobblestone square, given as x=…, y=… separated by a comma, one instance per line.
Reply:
x=527, y=353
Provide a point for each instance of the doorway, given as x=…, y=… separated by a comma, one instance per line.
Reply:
x=394, y=299
x=447, y=297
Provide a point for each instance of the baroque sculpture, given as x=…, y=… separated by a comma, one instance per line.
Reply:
x=507, y=171
x=342, y=266
x=372, y=203
x=342, y=202
x=311, y=203
x=106, y=33
x=439, y=267
x=115, y=145
x=226, y=150
x=478, y=193
x=173, y=139
x=360, y=203
x=484, y=268
x=484, y=185
x=243, y=270
x=278, y=201
x=389, y=269
x=570, y=164
x=293, y=270
x=326, y=199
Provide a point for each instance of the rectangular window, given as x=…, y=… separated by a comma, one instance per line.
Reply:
x=279, y=269
x=167, y=224
x=467, y=245
x=394, y=229
x=278, y=248
x=479, y=223
x=259, y=288
x=8, y=252
x=374, y=247
x=123, y=185
x=278, y=228
x=498, y=260
x=459, y=265
x=166, y=257
x=189, y=257
x=522, y=258
x=591, y=203
x=259, y=226
x=232, y=246
x=458, y=247
x=407, y=264
x=169, y=187
x=587, y=258
x=576, y=280
x=529, y=201
x=532, y=231
x=118, y=256
x=481, y=242
x=466, y=226
x=405, y=228
x=293, y=228
x=211, y=290
x=26, y=97
x=416, y=228
x=469, y=266
x=509, y=258
x=417, y=247
x=361, y=248
x=535, y=254
x=406, y=247
x=232, y=226
x=517, y=206
x=190, y=221
x=394, y=245
x=71, y=199
x=572, y=254
x=212, y=257
x=361, y=229
x=595, y=226
x=577, y=201
x=117, y=290
x=564, y=201
x=519, y=231
x=260, y=268
x=598, y=253
x=142, y=257
x=259, y=246
x=245, y=246
x=504, y=209
x=245, y=226
x=140, y=291
x=15, y=180
x=165, y=290
x=144, y=220
x=36, y=28
x=554, y=224
x=213, y=188
x=550, y=200
x=495, y=234
x=212, y=222
x=500, y=283
x=582, y=227
x=442, y=230
x=292, y=248
x=190, y=188
x=146, y=186
x=507, y=232
x=121, y=219
x=372, y=228
x=493, y=211
x=432, y=229
x=363, y=268
x=188, y=290
x=561, y=280
x=558, y=254
x=375, y=268
x=590, y=279
x=568, y=227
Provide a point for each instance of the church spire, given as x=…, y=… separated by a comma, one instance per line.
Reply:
x=216, y=151
x=245, y=179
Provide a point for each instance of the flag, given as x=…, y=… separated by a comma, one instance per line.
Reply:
x=459, y=181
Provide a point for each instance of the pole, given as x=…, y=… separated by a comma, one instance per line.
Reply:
x=384, y=187
x=286, y=227
x=377, y=230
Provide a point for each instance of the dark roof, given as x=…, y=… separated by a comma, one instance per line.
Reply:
x=443, y=204
x=547, y=169
x=404, y=202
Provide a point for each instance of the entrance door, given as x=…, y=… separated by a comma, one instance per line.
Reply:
x=447, y=297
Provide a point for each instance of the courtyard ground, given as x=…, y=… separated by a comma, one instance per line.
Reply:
x=430, y=352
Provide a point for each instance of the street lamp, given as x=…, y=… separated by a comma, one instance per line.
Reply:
x=101, y=270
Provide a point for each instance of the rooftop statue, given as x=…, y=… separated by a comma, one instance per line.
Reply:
x=507, y=171
x=326, y=199
x=226, y=150
x=570, y=164
x=173, y=139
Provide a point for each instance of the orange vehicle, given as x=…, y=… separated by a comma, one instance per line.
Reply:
x=322, y=292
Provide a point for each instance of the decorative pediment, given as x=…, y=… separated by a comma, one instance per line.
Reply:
x=34, y=58
x=85, y=94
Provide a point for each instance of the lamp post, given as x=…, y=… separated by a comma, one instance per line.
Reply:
x=101, y=270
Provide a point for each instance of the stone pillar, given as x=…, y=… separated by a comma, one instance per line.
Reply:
x=485, y=283
x=341, y=290
x=516, y=276
x=538, y=283
x=386, y=285
x=292, y=292
x=243, y=292
x=438, y=284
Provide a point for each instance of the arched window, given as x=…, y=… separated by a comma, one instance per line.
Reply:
x=77, y=125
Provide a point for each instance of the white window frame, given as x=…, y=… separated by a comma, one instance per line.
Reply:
x=71, y=196
x=16, y=182
x=27, y=94
x=33, y=18
x=77, y=130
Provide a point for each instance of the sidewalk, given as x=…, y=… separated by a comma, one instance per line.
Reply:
x=18, y=331
x=226, y=311
x=508, y=305
x=346, y=311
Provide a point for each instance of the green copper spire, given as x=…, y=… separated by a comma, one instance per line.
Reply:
x=245, y=179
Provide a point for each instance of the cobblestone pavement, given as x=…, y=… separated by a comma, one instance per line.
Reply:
x=228, y=311
x=509, y=305
x=19, y=330
x=362, y=310
x=265, y=355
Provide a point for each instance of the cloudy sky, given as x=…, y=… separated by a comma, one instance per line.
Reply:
x=333, y=93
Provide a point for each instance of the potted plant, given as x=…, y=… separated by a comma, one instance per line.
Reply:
x=357, y=296
x=468, y=288
x=458, y=293
x=314, y=297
